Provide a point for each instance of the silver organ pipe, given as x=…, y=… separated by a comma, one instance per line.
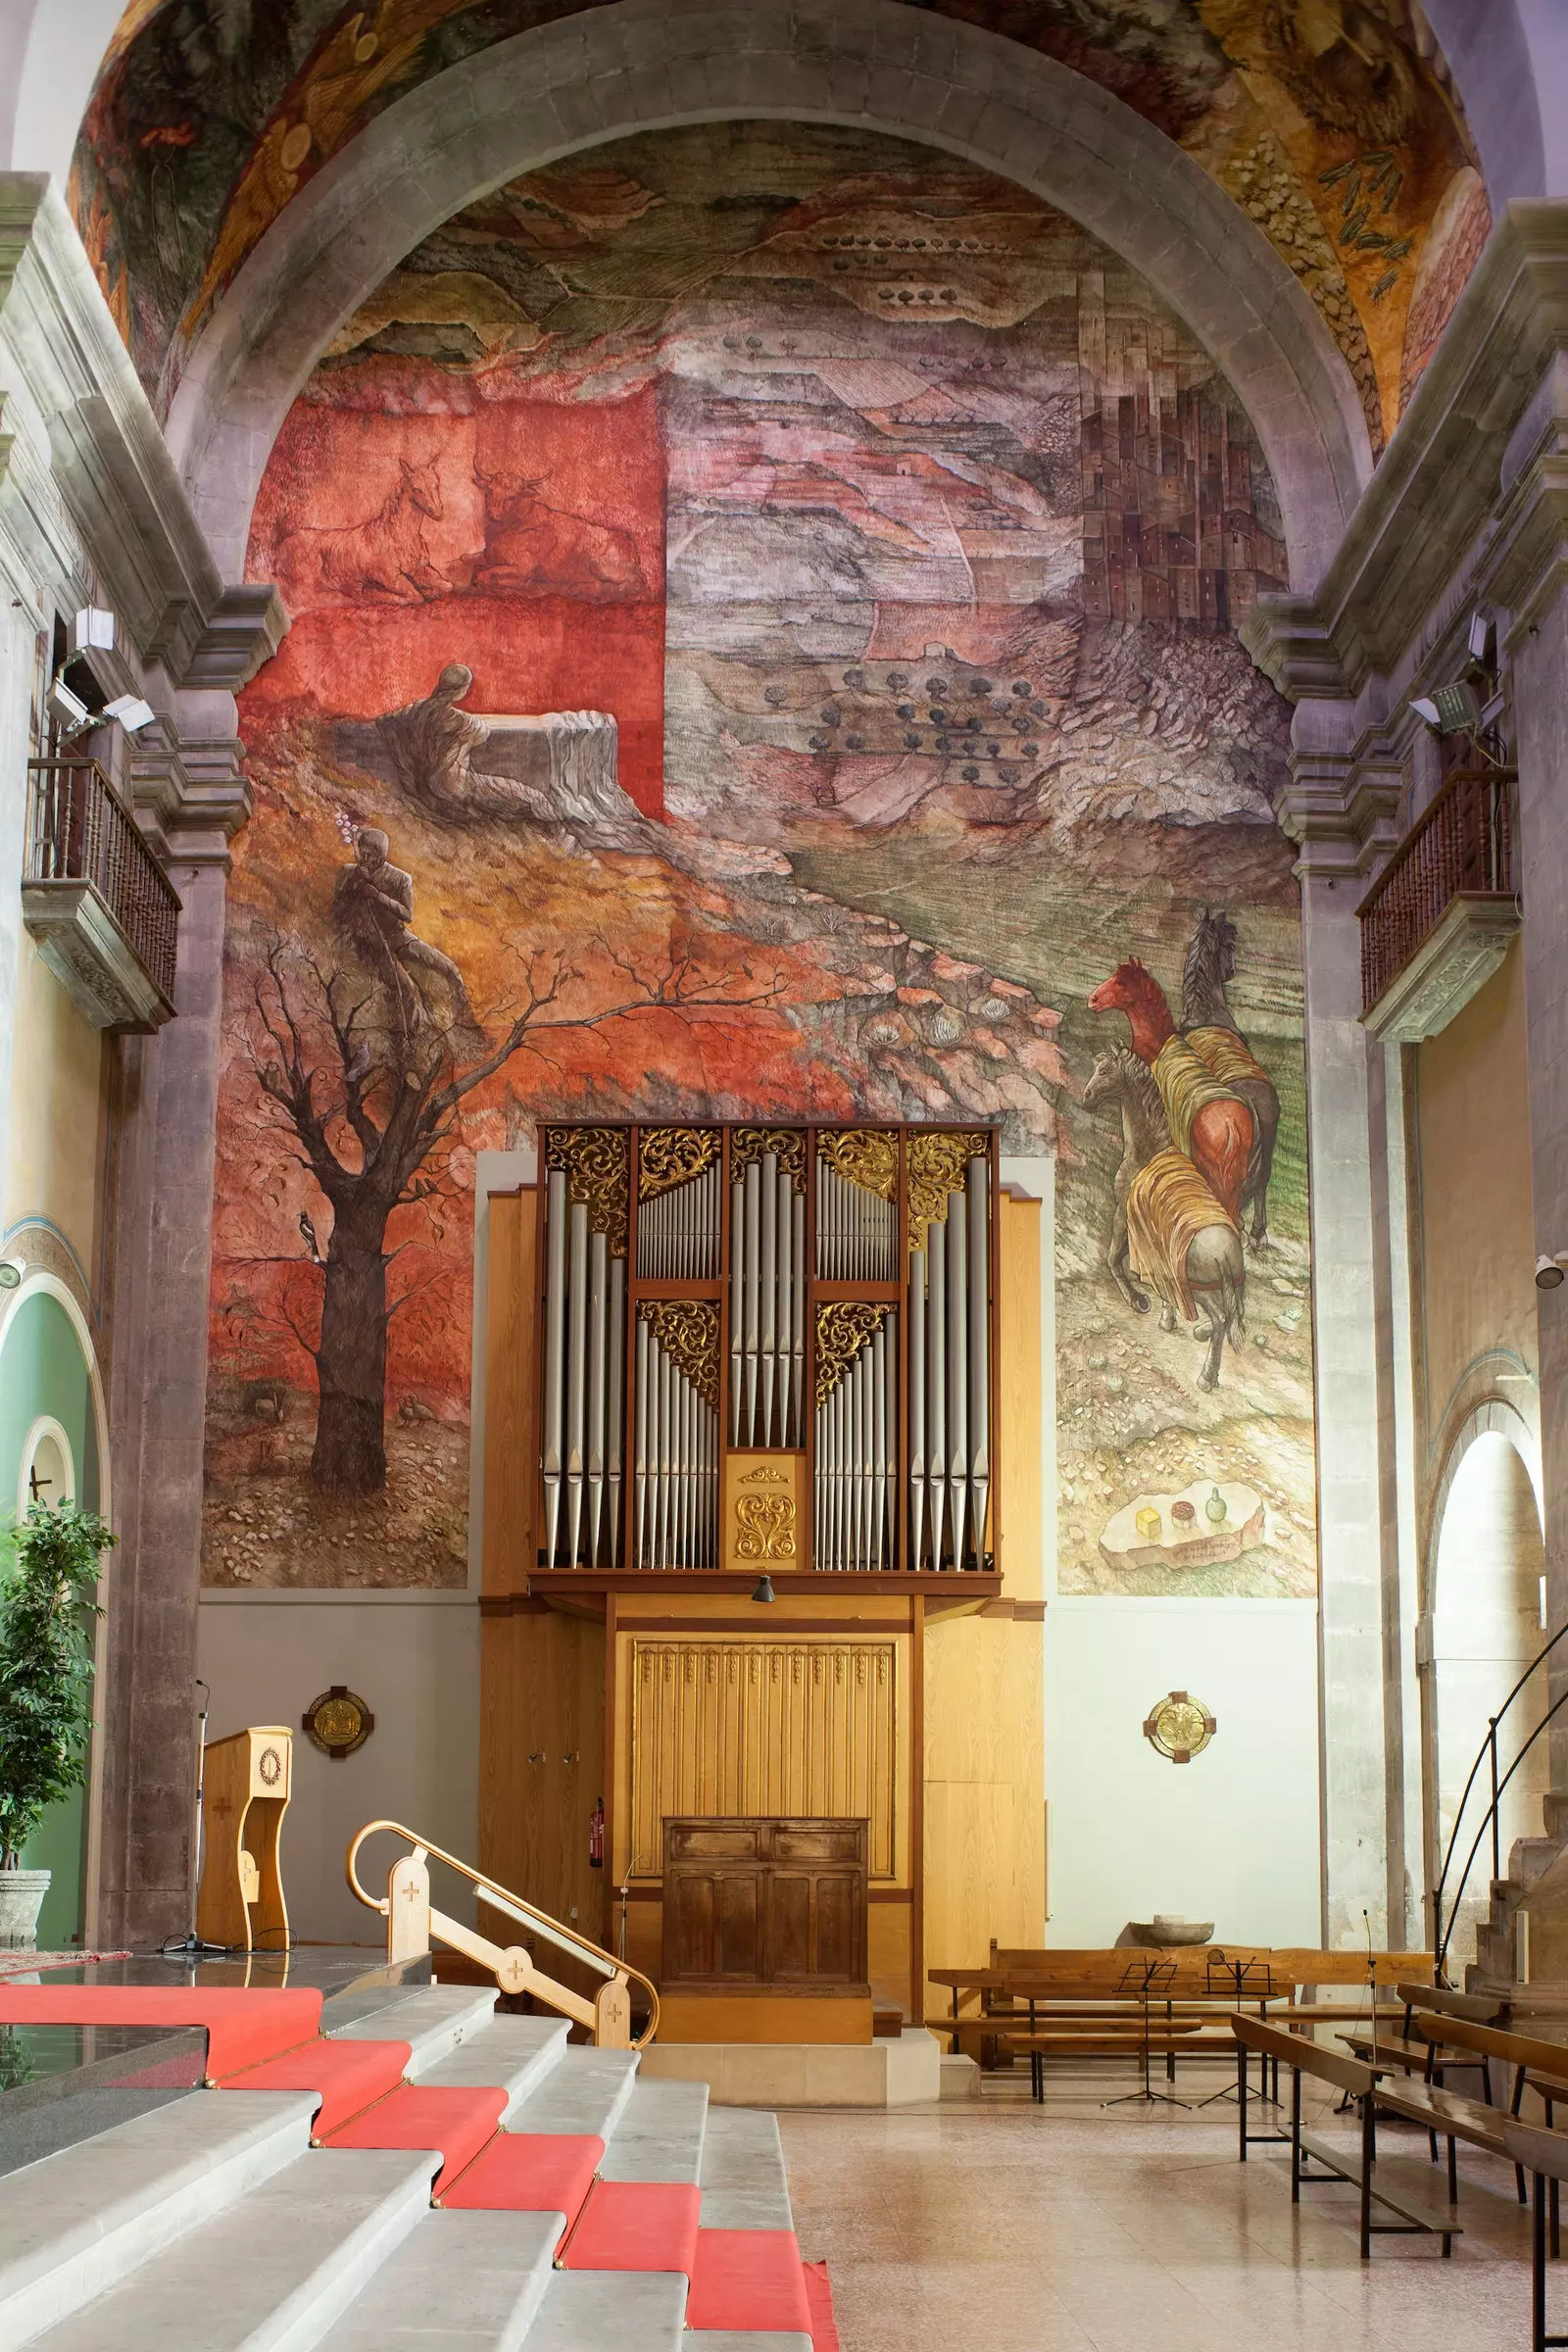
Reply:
x=678, y=1223
x=583, y=1384
x=676, y=1436
x=856, y=1436
x=554, y=1351
x=768, y=1291
x=631, y=1450
x=856, y=1229
x=949, y=1465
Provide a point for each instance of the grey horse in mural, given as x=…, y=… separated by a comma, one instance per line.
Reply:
x=1210, y=1027
x=1167, y=1225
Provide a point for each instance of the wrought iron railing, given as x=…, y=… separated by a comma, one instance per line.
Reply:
x=80, y=830
x=1490, y=1820
x=1462, y=847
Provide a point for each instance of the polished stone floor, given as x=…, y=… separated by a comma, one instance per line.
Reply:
x=995, y=2225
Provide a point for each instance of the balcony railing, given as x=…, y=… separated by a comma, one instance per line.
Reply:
x=82, y=838
x=1461, y=848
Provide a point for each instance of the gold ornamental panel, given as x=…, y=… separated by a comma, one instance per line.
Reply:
x=687, y=1329
x=843, y=1327
x=596, y=1161
x=668, y=1156
x=862, y=1155
x=760, y=1525
x=939, y=1166
x=765, y=1727
x=748, y=1143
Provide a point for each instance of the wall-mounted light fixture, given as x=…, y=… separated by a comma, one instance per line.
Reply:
x=1549, y=1271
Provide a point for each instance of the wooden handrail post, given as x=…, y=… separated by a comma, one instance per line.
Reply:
x=408, y=1908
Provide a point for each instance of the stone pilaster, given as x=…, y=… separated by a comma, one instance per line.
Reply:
x=1529, y=573
x=193, y=796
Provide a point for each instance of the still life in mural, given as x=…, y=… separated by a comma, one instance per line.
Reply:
x=764, y=605
x=1334, y=124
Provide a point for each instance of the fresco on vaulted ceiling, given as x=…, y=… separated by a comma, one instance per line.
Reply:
x=1334, y=124
x=905, y=765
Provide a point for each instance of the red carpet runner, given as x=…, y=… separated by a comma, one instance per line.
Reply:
x=749, y=2281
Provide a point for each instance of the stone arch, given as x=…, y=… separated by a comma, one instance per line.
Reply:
x=653, y=64
x=1485, y=1554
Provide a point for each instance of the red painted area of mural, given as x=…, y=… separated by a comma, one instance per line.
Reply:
x=525, y=540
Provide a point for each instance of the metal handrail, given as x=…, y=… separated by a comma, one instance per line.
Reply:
x=514, y=1906
x=1489, y=1819
x=80, y=830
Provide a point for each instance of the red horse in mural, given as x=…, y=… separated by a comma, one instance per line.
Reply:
x=1209, y=1124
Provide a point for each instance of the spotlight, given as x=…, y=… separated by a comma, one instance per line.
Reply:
x=12, y=1270
x=1451, y=710
x=1549, y=1271
x=71, y=711
x=131, y=712
x=762, y=1589
x=92, y=630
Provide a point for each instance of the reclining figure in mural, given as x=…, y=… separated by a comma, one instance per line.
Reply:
x=556, y=769
x=373, y=912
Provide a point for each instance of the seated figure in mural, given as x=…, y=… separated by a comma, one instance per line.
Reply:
x=559, y=768
x=372, y=909
x=430, y=747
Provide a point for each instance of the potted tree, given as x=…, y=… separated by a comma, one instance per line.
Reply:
x=48, y=1601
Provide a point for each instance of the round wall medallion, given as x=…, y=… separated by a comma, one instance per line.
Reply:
x=339, y=1720
x=1180, y=1727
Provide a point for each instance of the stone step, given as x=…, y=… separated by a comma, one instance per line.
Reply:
x=271, y=2273
x=743, y=2339
x=585, y=2094
x=459, y=2282
x=75, y=2223
x=1528, y=1858
x=658, y=2134
x=514, y=2053
x=611, y=2311
x=742, y=2177
x=434, y=2021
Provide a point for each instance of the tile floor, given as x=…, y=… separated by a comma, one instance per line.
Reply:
x=996, y=2225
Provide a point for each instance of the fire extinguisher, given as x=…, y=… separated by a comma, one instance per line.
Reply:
x=596, y=1834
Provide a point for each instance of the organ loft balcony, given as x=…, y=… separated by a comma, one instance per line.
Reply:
x=103, y=912
x=1438, y=920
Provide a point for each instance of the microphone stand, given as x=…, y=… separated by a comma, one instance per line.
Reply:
x=190, y=1945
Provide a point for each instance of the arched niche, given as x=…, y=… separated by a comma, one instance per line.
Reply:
x=1487, y=1565
x=652, y=63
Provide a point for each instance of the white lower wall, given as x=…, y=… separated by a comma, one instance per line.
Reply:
x=416, y=1664
x=1233, y=1835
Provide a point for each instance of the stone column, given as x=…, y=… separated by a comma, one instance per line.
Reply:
x=1531, y=576
x=191, y=796
x=1359, y=1731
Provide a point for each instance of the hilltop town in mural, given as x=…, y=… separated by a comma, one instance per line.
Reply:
x=765, y=645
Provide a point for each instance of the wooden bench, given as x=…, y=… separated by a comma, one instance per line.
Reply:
x=1544, y=2155
x=1353, y=2081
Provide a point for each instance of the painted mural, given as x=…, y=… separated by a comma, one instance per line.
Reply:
x=764, y=646
x=1334, y=124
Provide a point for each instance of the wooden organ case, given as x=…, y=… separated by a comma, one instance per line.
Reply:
x=723, y=1353
x=767, y=1348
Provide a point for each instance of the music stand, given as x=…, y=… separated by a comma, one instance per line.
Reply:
x=1243, y=1975
x=1145, y=1980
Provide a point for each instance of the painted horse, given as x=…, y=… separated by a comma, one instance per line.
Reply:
x=1210, y=1028
x=1168, y=1229
x=1207, y=1119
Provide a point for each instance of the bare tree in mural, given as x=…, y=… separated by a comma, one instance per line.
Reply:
x=370, y=1098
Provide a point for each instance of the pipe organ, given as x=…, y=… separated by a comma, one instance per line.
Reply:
x=768, y=1346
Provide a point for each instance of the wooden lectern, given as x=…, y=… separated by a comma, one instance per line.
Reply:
x=246, y=1796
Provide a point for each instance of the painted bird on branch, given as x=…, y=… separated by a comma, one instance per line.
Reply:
x=311, y=1243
